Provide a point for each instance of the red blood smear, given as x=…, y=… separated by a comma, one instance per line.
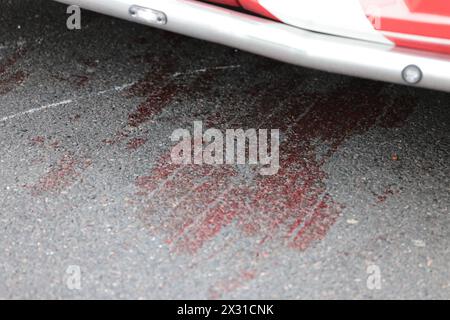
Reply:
x=385, y=195
x=81, y=80
x=136, y=143
x=61, y=176
x=12, y=60
x=158, y=89
x=10, y=79
x=39, y=140
x=292, y=207
x=228, y=285
x=9, y=82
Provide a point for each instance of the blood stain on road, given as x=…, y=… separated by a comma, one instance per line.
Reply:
x=76, y=80
x=158, y=90
x=64, y=173
x=292, y=207
x=229, y=285
x=388, y=192
x=37, y=141
x=135, y=143
x=10, y=78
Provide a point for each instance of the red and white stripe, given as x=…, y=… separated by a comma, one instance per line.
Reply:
x=420, y=24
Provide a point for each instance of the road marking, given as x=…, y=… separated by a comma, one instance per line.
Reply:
x=177, y=74
x=31, y=111
x=65, y=102
x=115, y=88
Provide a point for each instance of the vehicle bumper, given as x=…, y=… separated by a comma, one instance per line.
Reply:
x=283, y=42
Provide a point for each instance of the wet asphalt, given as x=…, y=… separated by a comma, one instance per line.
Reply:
x=358, y=210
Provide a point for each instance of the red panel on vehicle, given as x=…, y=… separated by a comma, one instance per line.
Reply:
x=421, y=45
x=422, y=28
x=254, y=6
x=424, y=18
x=439, y=7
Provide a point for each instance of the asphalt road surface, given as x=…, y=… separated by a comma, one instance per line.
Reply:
x=359, y=208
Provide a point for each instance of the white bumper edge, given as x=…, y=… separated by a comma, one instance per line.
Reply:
x=285, y=43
